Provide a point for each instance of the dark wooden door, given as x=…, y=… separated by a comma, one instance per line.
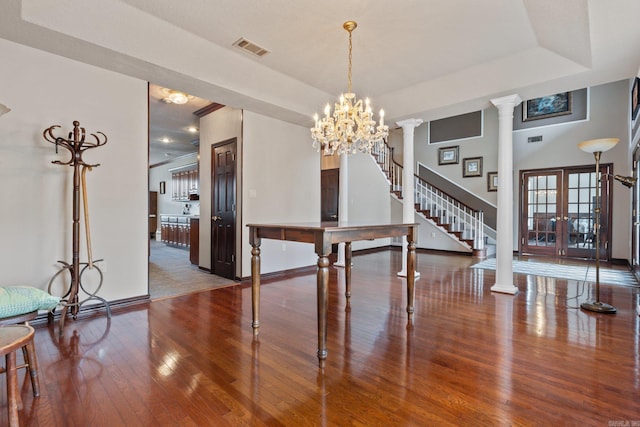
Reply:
x=558, y=212
x=329, y=194
x=223, y=208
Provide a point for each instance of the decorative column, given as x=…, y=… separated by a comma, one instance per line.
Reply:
x=504, y=229
x=343, y=203
x=408, y=186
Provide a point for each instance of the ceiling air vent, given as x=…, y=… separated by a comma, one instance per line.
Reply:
x=250, y=47
x=534, y=139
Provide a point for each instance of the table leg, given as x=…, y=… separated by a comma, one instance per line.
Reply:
x=347, y=270
x=323, y=301
x=255, y=287
x=12, y=388
x=411, y=276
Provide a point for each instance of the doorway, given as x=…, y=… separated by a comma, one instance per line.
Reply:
x=329, y=194
x=223, y=208
x=558, y=212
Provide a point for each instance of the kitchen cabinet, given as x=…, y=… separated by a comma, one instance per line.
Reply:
x=194, y=239
x=175, y=230
x=184, y=184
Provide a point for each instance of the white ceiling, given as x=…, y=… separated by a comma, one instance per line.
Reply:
x=169, y=134
x=416, y=58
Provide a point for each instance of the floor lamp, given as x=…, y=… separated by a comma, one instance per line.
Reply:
x=597, y=147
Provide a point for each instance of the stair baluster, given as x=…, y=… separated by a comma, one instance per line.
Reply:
x=456, y=218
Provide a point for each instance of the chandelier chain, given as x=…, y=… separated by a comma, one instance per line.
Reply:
x=350, y=62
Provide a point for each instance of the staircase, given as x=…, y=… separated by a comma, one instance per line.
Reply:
x=453, y=217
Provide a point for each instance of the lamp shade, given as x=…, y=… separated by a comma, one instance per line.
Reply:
x=598, y=145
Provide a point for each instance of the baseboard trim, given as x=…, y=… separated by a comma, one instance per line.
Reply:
x=96, y=309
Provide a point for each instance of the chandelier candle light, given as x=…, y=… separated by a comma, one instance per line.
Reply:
x=351, y=127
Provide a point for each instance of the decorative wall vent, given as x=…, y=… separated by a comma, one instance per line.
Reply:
x=534, y=139
x=250, y=47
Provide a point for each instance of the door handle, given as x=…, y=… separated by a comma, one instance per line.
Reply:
x=216, y=218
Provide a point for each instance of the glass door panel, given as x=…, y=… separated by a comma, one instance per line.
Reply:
x=541, y=212
x=581, y=193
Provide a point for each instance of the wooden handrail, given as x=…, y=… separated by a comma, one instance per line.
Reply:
x=434, y=196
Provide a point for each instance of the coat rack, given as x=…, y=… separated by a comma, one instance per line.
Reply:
x=77, y=145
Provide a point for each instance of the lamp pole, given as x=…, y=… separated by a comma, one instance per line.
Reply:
x=597, y=305
x=597, y=147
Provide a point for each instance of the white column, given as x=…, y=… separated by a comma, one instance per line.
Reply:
x=504, y=229
x=343, y=202
x=408, y=186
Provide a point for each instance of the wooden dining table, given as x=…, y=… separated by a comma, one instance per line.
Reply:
x=323, y=235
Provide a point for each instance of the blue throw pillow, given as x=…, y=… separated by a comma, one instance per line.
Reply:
x=16, y=300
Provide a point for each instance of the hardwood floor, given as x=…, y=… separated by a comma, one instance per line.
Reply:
x=470, y=357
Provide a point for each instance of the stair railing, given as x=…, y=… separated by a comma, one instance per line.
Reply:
x=466, y=221
x=456, y=214
x=392, y=169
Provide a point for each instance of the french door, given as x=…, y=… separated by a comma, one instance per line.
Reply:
x=558, y=212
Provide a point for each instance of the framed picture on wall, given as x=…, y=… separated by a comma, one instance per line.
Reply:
x=547, y=106
x=471, y=167
x=492, y=181
x=448, y=155
x=635, y=98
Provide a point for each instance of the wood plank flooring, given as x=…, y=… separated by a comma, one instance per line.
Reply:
x=469, y=358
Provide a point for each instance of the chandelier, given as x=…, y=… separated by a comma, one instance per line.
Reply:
x=351, y=127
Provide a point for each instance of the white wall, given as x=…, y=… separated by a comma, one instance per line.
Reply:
x=369, y=197
x=281, y=184
x=36, y=228
x=219, y=126
x=485, y=146
x=608, y=117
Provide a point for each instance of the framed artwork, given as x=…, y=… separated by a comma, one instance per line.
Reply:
x=635, y=96
x=471, y=167
x=547, y=106
x=163, y=187
x=492, y=181
x=448, y=155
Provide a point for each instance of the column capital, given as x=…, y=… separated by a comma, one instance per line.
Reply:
x=509, y=101
x=409, y=123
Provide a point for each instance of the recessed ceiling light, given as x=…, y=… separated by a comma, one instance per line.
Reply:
x=175, y=96
x=192, y=129
x=165, y=140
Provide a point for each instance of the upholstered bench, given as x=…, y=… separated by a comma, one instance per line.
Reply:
x=19, y=305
